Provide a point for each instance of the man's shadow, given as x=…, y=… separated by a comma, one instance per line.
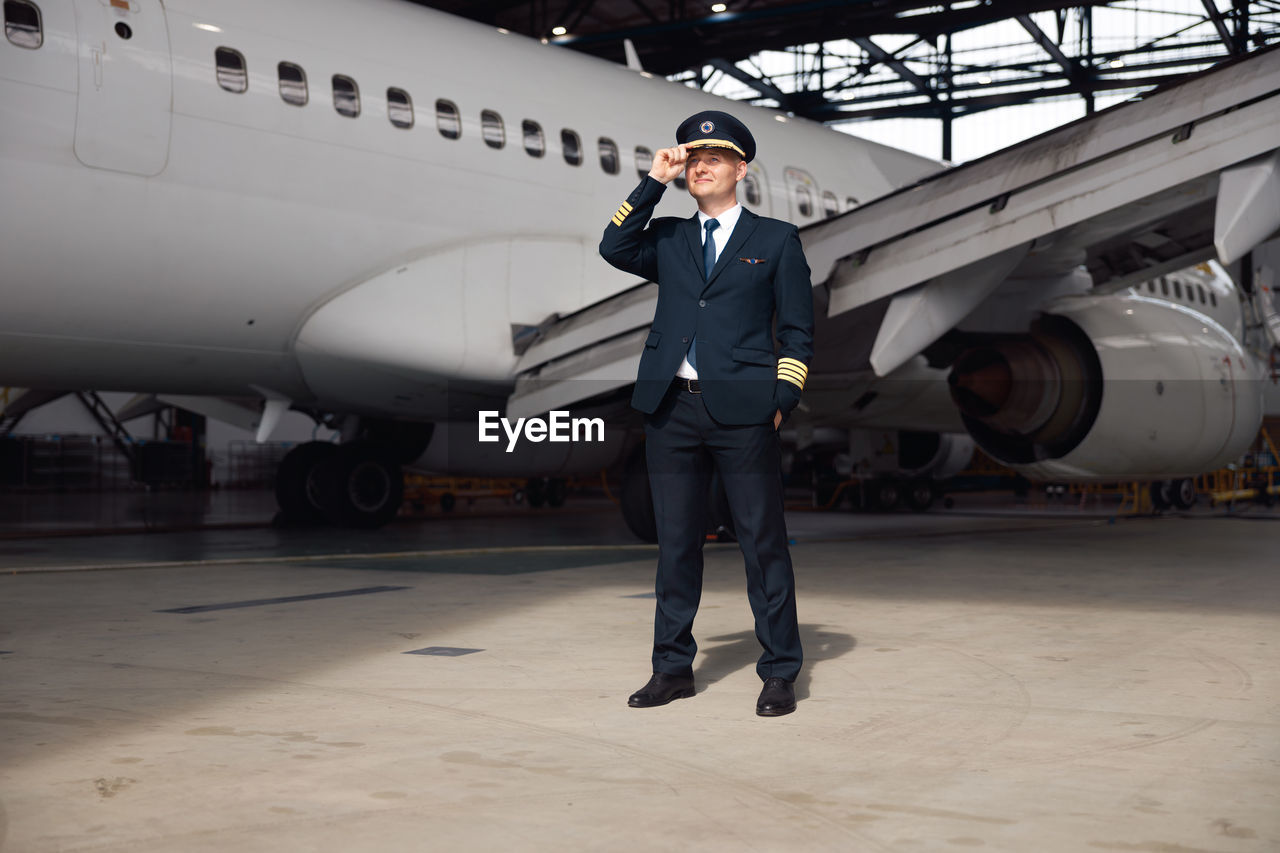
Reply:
x=739, y=650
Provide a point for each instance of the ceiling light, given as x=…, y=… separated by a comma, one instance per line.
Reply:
x=558, y=31
x=780, y=118
x=1116, y=63
x=208, y=28
x=984, y=80
x=504, y=31
x=718, y=7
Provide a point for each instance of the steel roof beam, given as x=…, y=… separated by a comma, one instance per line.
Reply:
x=1220, y=25
x=1050, y=47
x=763, y=87
x=884, y=57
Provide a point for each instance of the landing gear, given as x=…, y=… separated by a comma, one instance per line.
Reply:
x=297, y=489
x=1184, y=493
x=884, y=494
x=350, y=485
x=544, y=491
x=1180, y=494
x=361, y=486
x=636, y=500
x=920, y=495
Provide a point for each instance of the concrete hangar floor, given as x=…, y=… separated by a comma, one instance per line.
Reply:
x=1004, y=679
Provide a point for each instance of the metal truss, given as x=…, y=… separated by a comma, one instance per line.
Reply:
x=1081, y=52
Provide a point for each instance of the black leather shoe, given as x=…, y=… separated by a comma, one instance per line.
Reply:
x=661, y=689
x=777, y=698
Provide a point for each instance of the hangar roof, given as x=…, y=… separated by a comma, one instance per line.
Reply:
x=674, y=36
x=852, y=60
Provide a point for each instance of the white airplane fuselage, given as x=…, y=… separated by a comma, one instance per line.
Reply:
x=161, y=233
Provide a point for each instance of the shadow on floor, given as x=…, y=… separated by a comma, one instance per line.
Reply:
x=740, y=650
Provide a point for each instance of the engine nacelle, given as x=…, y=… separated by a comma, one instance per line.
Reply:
x=1118, y=387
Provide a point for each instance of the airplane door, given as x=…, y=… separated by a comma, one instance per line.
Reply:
x=802, y=196
x=126, y=86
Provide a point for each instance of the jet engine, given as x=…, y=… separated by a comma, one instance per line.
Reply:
x=1116, y=387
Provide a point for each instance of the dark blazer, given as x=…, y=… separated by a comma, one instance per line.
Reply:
x=760, y=276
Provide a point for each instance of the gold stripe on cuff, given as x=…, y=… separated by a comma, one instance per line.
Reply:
x=793, y=363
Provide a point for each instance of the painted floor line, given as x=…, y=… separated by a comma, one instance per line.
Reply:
x=285, y=599
x=320, y=558
x=519, y=549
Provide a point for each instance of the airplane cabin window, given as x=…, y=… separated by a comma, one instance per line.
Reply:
x=644, y=161
x=830, y=204
x=751, y=189
x=232, y=75
x=534, y=143
x=22, y=24
x=1200, y=292
x=608, y=155
x=447, y=121
x=804, y=201
x=495, y=135
x=1164, y=286
x=1177, y=288
x=680, y=182
x=293, y=83
x=571, y=145
x=399, y=108
x=1213, y=299
x=346, y=96
x=1151, y=285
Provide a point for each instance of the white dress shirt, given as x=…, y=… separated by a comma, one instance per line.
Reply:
x=721, y=235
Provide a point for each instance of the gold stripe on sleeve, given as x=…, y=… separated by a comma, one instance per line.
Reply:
x=794, y=363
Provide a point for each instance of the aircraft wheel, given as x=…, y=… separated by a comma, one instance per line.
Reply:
x=297, y=488
x=885, y=494
x=535, y=492
x=1161, y=495
x=361, y=486
x=920, y=495
x=557, y=492
x=637, y=499
x=1183, y=493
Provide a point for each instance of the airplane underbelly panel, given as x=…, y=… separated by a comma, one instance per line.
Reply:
x=126, y=86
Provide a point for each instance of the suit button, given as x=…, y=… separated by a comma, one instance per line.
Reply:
x=684, y=340
x=702, y=303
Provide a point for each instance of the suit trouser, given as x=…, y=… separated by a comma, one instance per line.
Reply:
x=683, y=441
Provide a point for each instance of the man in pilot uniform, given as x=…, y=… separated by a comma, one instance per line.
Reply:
x=714, y=392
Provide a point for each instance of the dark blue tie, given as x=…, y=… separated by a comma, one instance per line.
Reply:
x=708, y=263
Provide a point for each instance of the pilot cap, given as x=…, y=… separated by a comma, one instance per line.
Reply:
x=714, y=129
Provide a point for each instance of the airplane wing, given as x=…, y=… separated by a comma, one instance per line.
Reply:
x=1133, y=192
x=1138, y=190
